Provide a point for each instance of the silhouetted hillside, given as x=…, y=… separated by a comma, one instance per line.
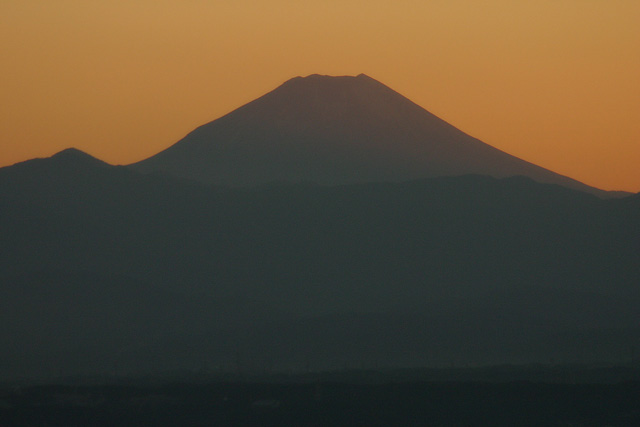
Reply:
x=106, y=270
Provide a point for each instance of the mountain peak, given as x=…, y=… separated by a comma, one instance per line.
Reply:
x=68, y=161
x=334, y=130
x=323, y=79
x=73, y=156
x=317, y=76
x=72, y=153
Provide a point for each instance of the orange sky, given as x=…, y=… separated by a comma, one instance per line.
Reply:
x=555, y=82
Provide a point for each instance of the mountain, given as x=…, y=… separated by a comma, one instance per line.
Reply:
x=336, y=130
x=66, y=163
x=103, y=270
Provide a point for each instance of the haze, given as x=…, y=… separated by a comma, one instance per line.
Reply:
x=552, y=82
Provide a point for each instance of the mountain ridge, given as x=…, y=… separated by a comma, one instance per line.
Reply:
x=69, y=156
x=104, y=268
x=336, y=130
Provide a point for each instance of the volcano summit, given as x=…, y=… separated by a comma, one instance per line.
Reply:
x=336, y=130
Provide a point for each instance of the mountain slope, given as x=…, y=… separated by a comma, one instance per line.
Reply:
x=336, y=130
x=101, y=266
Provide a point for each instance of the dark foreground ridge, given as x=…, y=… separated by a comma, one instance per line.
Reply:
x=338, y=399
x=107, y=271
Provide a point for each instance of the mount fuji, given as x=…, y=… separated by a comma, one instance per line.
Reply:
x=332, y=131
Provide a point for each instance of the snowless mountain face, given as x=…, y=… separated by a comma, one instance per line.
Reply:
x=335, y=130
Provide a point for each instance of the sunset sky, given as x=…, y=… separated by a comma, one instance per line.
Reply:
x=555, y=82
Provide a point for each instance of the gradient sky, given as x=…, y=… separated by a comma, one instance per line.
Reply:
x=555, y=82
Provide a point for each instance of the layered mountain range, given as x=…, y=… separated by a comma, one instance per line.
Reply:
x=433, y=249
